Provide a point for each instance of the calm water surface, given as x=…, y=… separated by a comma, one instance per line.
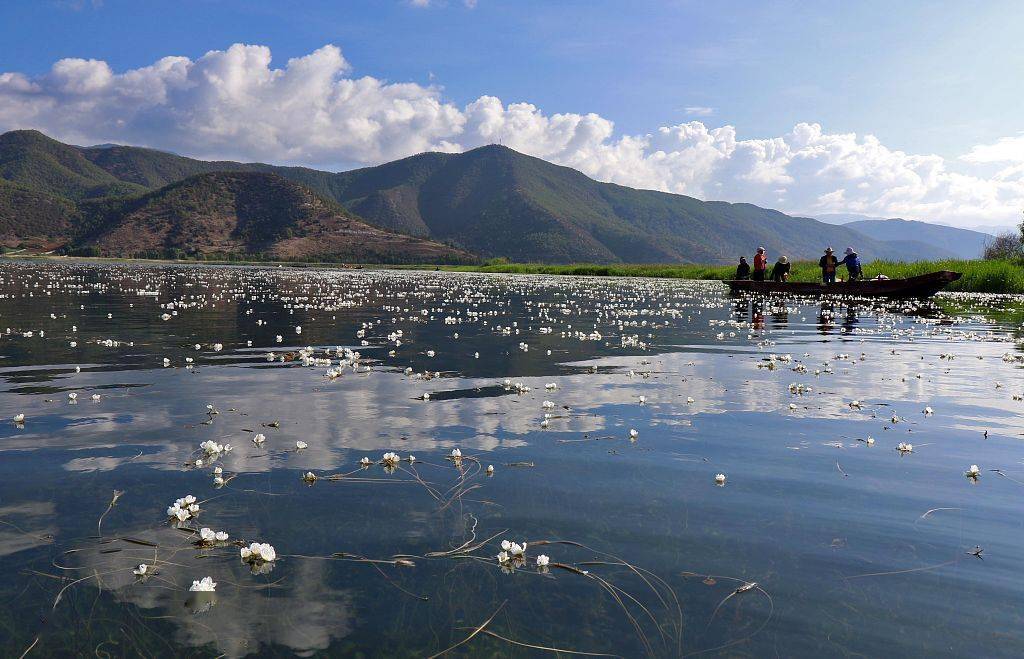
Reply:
x=855, y=547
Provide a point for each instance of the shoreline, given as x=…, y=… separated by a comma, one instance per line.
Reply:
x=979, y=276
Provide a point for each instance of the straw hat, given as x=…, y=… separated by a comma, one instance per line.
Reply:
x=828, y=250
x=783, y=259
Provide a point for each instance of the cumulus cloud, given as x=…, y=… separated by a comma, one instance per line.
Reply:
x=234, y=103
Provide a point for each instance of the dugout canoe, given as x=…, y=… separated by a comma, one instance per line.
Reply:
x=912, y=287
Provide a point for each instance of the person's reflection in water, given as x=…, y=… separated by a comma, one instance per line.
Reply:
x=826, y=318
x=851, y=320
x=780, y=316
x=740, y=309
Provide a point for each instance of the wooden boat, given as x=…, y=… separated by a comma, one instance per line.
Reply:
x=912, y=287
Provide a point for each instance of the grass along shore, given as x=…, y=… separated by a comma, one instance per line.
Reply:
x=979, y=276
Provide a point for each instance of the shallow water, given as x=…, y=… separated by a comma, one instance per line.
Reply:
x=855, y=548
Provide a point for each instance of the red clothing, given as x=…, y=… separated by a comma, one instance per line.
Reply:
x=760, y=262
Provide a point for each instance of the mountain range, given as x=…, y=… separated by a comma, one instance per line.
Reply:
x=961, y=243
x=434, y=207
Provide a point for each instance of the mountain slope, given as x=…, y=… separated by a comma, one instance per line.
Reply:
x=960, y=243
x=37, y=162
x=497, y=202
x=245, y=213
x=492, y=201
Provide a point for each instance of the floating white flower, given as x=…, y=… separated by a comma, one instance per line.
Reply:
x=689, y=399
x=204, y=585
x=391, y=459
x=643, y=399
x=412, y=459
x=258, y=552
x=720, y=479
x=490, y=469
x=183, y=509
x=904, y=447
x=927, y=411
x=141, y=570
x=301, y=445
x=365, y=462
x=259, y=439
x=309, y=477
x=633, y=433
x=72, y=396
x=973, y=472
x=19, y=418
x=456, y=453
x=542, y=560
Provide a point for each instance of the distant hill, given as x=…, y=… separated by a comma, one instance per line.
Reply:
x=497, y=202
x=942, y=240
x=246, y=213
x=491, y=201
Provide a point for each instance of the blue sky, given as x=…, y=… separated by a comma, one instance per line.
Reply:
x=935, y=78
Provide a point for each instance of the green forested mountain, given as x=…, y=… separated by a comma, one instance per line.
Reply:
x=491, y=201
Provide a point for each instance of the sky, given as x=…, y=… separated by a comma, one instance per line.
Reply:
x=908, y=109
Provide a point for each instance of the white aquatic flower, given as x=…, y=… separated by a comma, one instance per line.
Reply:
x=633, y=433
x=490, y=469
x=96, y=397
x=547, y=405
x=720, y=479
x=218, y=481
x=391, y=459
x=301, y=445
x=258, y=552
x=542, y=560
x=426, y=396
x=974, y=471
x=643, y=399
x=869, y=441
x=365, y=462
x=689, y=399
x=412, y=459
x=259, y=439
x=218, y=470
x=456, y=453
x=309, y=477
x=904, y=447
x=927, y=411
x=207, y=535
x=141, y=570
x=430, y=353
x=199, y=462
x=503, y=556
x=204, y=585
x=72, y=396
x=19, y=418
x=792, y=406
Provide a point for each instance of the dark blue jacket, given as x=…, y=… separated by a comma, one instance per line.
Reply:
x=852, y=262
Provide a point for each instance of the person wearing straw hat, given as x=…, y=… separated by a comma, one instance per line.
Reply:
x=852, y=263
x=828, y=265
x=780, y=271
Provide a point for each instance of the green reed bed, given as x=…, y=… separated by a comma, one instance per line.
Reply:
x=979, y=276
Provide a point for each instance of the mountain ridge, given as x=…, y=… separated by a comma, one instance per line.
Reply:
x=491, y=201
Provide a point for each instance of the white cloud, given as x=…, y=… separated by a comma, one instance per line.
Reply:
x=698, y=111
x=312, y=111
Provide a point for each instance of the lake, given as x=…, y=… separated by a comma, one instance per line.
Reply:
x=607, y=409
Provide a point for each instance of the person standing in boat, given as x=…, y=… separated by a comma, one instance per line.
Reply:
x=743, y=269
x=852, y=263
x=780, y=271
x=828, y=264
x=760, y=264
